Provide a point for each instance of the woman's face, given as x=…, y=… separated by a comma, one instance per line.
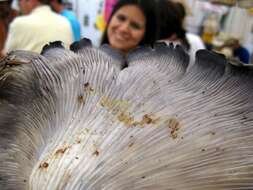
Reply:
x=126, y=28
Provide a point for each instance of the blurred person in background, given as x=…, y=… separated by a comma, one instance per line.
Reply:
x=172, y=17
x=194, y=40
x=132, y=23
x=237, y=50
x=38, y=26
x=171, y=28
x=7, y=14
x=58, y=6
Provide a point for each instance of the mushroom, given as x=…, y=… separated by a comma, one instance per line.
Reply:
x=88, y=118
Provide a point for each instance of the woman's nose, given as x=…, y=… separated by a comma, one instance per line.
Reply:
x=124, y=27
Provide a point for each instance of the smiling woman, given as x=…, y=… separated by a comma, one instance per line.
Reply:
x=127, y=28
x=132, y=23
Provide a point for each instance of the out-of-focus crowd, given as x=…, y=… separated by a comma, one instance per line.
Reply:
x=131, y=23
x=37, y=23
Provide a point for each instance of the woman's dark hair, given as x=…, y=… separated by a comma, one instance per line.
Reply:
x=171, y=17
x=149, y=10
x=46, y=2
x=181, y=10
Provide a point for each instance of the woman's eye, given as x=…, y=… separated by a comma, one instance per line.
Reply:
x=121, y=18
x=135, y=25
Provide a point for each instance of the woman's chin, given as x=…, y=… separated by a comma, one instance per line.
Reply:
x=120, y=47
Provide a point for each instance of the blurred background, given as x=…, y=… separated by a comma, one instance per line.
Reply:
x=215, y=21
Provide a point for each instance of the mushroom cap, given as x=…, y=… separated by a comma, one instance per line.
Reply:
x=89, y=118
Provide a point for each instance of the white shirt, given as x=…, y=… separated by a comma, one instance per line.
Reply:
x=31, y=32
x=196, y=44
